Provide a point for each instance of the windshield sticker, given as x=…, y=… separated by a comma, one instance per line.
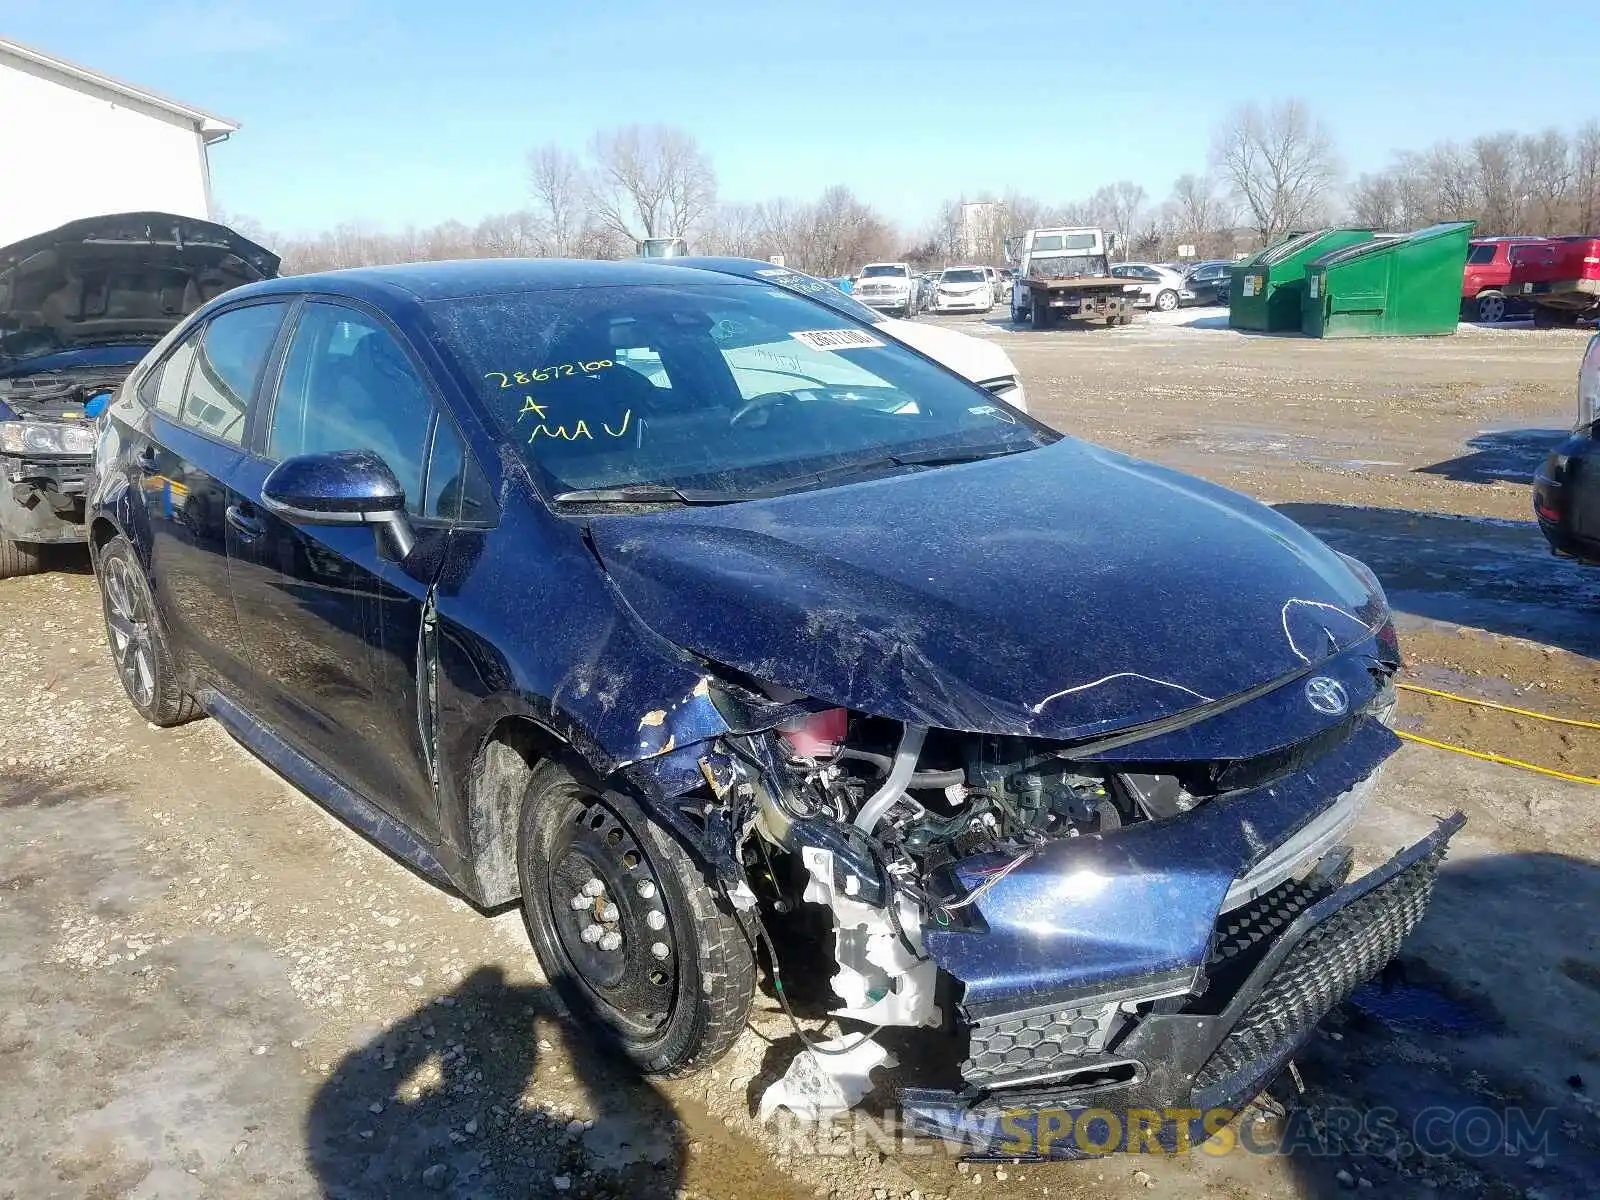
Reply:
x=989, y=410
x=835, y=339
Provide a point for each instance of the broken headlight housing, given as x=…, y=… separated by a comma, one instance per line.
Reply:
x=46, y=438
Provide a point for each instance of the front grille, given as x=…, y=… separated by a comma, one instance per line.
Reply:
x=1337, y=955
x=1037, y=1046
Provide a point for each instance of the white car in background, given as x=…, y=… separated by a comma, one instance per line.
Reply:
x=980, y=361
x=887, y=286
x=964, y=289
x=1160, y=288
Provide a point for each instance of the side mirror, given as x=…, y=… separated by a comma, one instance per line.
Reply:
x=342, y=487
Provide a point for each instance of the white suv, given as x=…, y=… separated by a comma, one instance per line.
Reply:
x=888, y=287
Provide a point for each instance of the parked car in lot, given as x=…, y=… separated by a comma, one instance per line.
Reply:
x=1160, y=288
x=1492, y=281
x=1566, y=489
x=79, y=306
x=981, y=361
x=964, y=289
x=660, y=601
x=1210, y=281
x=889, y=287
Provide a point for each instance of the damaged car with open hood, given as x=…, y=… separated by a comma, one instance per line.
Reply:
x=671, y=603
x=79, y=306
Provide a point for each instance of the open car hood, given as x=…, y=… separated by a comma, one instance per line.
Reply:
x=1065, y=592
x=123, y=278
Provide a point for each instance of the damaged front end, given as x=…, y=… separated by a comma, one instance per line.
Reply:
x=1117, y=924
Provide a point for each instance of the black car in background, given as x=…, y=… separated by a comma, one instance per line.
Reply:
x=1566, y=490
x=1209, y=281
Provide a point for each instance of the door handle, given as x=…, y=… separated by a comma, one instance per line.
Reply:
x=247, y=527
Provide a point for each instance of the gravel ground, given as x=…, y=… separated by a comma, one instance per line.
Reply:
x=209, y=987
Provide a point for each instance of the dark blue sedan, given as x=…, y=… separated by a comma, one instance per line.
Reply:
x=678, y=605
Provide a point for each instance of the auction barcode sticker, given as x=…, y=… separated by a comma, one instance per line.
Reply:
x=835, y=339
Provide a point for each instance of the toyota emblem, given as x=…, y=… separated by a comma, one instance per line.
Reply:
x=1327, y=695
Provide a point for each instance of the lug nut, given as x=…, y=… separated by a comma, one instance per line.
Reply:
x=611, y=940
x=592, y=934
x=594, y=888
x=646, y=889
x=656, y=919
x=606, y=911
x=660, y=950
x=579, y=903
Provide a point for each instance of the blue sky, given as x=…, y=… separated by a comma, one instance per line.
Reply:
x=399, y=111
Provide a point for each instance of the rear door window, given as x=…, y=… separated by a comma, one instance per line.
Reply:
x=1481, y=255
x=227, y=364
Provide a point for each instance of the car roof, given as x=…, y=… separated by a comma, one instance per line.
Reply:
x=455, y=279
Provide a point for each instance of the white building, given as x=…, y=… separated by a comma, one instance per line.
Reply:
x=76, y=143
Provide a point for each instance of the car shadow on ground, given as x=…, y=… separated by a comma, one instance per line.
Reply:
x=1508, y=455
x=1495, y=574
x=1468, y=1068
x=438, y=1103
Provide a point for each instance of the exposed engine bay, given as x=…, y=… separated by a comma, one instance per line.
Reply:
x=1055, y=914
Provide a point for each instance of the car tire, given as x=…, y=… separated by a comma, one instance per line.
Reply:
x=704, y=981
x=1166, y=300
x=1039, y=316
x=1491, y=308
x=139, y=651
x=1018, y=315
x=19, y=558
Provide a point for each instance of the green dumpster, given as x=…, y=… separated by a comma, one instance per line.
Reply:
x=1265, y=291
x=1408, y=285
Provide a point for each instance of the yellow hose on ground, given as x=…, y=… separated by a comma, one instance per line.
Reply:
x=1521, y=712
x=1495, y=758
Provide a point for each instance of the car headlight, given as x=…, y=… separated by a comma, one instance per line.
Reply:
x=46, y=437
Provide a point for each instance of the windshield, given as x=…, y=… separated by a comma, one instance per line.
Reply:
x=822, y=291
x=725, y=390
x=962, y=275
x=1063, y=241
x=882, y=271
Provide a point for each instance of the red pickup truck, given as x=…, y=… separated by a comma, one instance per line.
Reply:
x=1565, y=284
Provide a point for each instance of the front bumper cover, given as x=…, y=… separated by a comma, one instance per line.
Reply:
x=42, y=499
x=1176, y=1077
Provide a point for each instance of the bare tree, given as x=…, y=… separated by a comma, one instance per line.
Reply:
x=559, y=187
x=1375, y=202
x=1198, y=213
x=738, y=230
x=650, y=181
x=1586, y=178
x=1545, y=168
x=1280, y=163
x=508, y=235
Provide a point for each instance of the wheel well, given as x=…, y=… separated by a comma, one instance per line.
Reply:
x=101, y=533
x=505, y=759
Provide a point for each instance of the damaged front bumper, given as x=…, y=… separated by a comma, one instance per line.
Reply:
x=42, y=499
x=1132, y=1072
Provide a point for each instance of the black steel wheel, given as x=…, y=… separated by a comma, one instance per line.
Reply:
x=627, y=927
x=1491, y=308
x=139, y=650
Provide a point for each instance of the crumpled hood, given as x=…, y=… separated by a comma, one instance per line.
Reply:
x=1063, y=592
x=129, y=276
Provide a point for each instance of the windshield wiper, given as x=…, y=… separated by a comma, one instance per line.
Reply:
x=949, y=457
x=642, y=493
